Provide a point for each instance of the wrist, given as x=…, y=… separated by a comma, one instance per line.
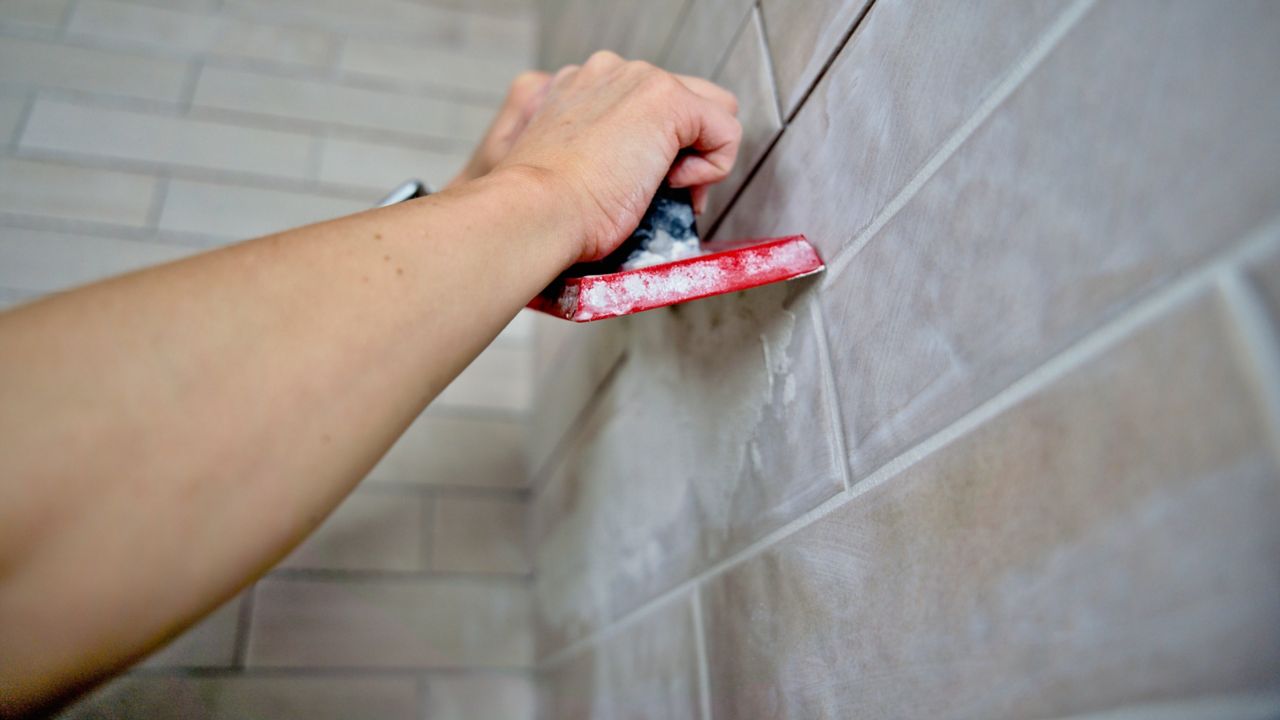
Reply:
x=555, y=217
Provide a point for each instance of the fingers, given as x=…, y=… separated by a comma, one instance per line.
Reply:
x=710, y=129
x=711, y=91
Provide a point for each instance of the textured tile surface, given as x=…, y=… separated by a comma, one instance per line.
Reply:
x=211, y=643
x=184, y=31
x=29, y=187
x=500, y=378
x=715, y=431
x=1017, y=246
x=570, y=372
x=648, y=670
x=35, y=13
x=803, y=35
x=323, y=697
x=32, y=62
x=454, y=451
x=435, y=623
x=164, y=139
x=423, y=64
x=42, y=261
x=1110, y=539
x=703, y=36
x=315, y=101
x=368, y=531
x=478, y=534
x=480, y=697
x=747, y=75
x=915, y=71
x=382, y=167
x=240, y=212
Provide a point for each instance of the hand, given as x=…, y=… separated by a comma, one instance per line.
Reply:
x=608, y=132
x=522, y=100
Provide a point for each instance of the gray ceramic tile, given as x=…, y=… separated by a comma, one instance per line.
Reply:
x=188, y=32
x=75, y=128
x=714, y=432
x=368, y=531
x=704, y=34
x=239, y=212
x=318, y=697
x=390, y=19
x=422, y=64
x=36, y=63
x=461, y=452
x=746, y=73
x=381, y=167
x=430, y=623
x=1109, y=539
x=29, y=187
x=316, y=101
x=572, y=369
x=500, y=378
x=211, y=643
x=480, y=697
x=916, y=70
x=803, y=35
x=648, y=670
x=42, y=261
x=477, y=534
x=1018, y=246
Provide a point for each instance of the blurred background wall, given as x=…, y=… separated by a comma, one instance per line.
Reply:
x=1014, y=455
x=137, y=131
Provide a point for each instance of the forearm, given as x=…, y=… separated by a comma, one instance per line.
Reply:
x=282, y=367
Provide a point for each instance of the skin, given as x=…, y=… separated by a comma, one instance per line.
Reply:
x=171, y=434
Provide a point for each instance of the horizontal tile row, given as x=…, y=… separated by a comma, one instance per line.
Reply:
x=1107, y=540
x=401, y=531
x=316, y=101
x=326, y=696
x=35, y=63
x=40, y=261
x=196, y=33
x=393, y=623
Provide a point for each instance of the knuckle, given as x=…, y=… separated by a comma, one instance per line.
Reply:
x=603, y=57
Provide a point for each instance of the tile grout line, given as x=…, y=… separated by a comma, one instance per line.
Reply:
x=159, y=196
x=426, y=530
x=190, y=83
x=240, y=648
x=1089, y=346
x=1258, y=341
x=758, y=11
x=20, y=128
x=828, y=63
x=1020, y=71
x=827, y=369
x=700, y=649
x=664, y=53
x=743, y=24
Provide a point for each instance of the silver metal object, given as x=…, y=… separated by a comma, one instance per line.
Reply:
x=407, y=190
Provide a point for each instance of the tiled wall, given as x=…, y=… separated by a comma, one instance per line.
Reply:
x=1014, y=455
x=138, y=131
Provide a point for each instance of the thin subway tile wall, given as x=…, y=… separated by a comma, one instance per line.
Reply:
x=135, y=132
x=1014, y=455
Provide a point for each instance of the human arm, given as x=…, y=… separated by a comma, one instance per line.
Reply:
x=170, y=434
